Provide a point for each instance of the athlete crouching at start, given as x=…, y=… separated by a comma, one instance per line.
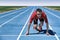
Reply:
x=38, y=14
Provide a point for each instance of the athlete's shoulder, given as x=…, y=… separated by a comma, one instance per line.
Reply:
x=43, y=13
x=34, y=13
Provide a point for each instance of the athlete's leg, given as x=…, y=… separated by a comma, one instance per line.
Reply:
x=35, y=24
x=41, y=24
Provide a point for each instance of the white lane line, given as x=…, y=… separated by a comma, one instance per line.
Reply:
x=6, y=12
x=50, y=26
x=9, y=14
x=25, y=25
x=28, y=35
x=52, y=9
x=13, y=18
x=53, y=14
x=56, y=37
x=8, y=35
x=37, y=35
x=55, y=34
x=11, y=10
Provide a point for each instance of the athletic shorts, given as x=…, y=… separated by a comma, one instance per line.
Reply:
x=36, y=21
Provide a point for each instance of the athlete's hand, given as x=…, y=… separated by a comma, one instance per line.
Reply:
x=27, y=33
x=47, y=33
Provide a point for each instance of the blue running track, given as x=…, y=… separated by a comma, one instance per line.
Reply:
x=13, y=24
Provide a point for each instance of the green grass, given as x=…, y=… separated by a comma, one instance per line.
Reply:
x=8, y=8
x=54, y=7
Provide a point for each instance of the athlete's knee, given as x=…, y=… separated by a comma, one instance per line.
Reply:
x=41, y=24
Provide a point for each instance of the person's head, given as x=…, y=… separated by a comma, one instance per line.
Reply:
x=39, y=12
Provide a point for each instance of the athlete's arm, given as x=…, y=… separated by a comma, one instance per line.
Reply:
x=47, y=25
x=29, y=24
x=28, y=28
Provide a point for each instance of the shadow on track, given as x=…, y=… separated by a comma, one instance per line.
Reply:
x=44, y=32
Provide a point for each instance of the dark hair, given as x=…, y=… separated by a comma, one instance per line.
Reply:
x=39, y=10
